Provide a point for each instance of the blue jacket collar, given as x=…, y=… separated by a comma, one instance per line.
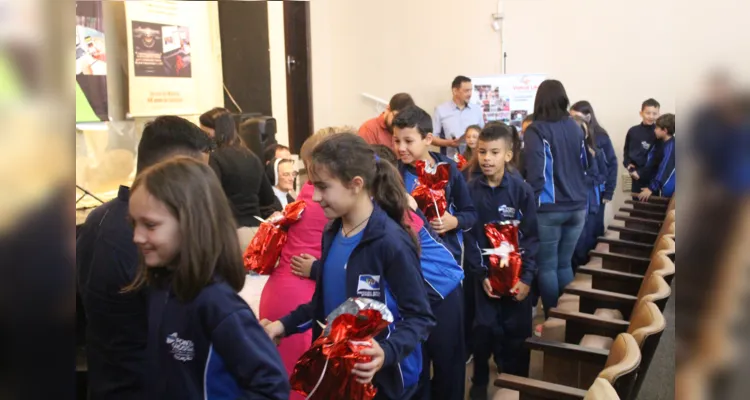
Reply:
x=439, y=158
x=503, y=183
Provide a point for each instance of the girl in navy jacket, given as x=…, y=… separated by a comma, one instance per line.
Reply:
x=204, y=342
x=595, y=182
x=368, y=251
x=608, y=168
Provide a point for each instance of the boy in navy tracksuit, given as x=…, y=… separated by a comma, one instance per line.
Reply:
x=502, y=323
x=661, y=168
x=638, y=143
x=412, y=138
x=443, y=276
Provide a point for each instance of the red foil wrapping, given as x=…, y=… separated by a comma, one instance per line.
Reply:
x=430, y=193
x=324, y=371
x=460, y=161
x=505, y=258
x=264, y=249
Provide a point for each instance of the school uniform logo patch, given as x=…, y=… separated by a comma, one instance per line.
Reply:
x=507, y=212
x=645, y=145
x=368, y=286
x=182, y=349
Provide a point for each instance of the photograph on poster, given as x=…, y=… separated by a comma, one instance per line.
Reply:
x=91, y=57
x=498, y=95
x=161, y=50
x=91, y=63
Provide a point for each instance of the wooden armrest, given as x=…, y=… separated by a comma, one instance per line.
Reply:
x=653, y=206
x=608, y=273
x=537, y=388
x=643, y=213
x=655, y=199
x=647, y=221
x=605, y=255
x=568, y=350
x=601, y=295
x=633, y=230
x=615, y=326
x=625, y=243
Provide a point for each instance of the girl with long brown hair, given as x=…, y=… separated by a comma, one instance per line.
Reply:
x=203, y=340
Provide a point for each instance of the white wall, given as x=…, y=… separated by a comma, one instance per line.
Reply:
x=607, y=52
x=612, y=53
x=387, y=46
x=277, y=55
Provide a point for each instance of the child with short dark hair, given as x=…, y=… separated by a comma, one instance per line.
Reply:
x=660, y=172
x=502, y=322
x=412, y=129
x=203, y=339
x=638, y=143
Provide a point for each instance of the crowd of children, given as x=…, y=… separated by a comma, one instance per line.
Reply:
x=362, y=235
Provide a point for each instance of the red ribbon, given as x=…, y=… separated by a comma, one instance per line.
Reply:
x=324, y=371
x=504, y=278
x=460, y=161
x=264, y=249
x=430, y=193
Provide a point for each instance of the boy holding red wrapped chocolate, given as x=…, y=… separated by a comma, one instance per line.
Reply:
x=440, y=191
x=500, y=251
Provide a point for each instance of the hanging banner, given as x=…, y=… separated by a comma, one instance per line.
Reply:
x=91, y=63
x=159, y=59
x=506, y=98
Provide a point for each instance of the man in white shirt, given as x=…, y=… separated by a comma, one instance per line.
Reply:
x=451, y=118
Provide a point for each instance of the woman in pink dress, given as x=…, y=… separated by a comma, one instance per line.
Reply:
x=291, y=283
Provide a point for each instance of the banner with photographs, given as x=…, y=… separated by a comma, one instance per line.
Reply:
x=506, y=98
x=161, y=79
x=91, y=63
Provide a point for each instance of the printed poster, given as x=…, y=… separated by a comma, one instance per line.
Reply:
x=506, y=98
x=160, y=56
x=161, y=50
x=91, y=63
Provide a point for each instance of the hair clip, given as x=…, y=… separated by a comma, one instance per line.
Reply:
x=377, y=158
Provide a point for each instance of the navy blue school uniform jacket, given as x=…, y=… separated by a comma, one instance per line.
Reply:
x=385, y=267
x=555, y=163
x=638, y=143
x=459, y=202
x=211, y=347
x=609, y=167
x=662, y=169
x=440, y=270
x=512, y=199
x=595, y=180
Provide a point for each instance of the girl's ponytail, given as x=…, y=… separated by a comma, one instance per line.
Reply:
x=388, y=191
